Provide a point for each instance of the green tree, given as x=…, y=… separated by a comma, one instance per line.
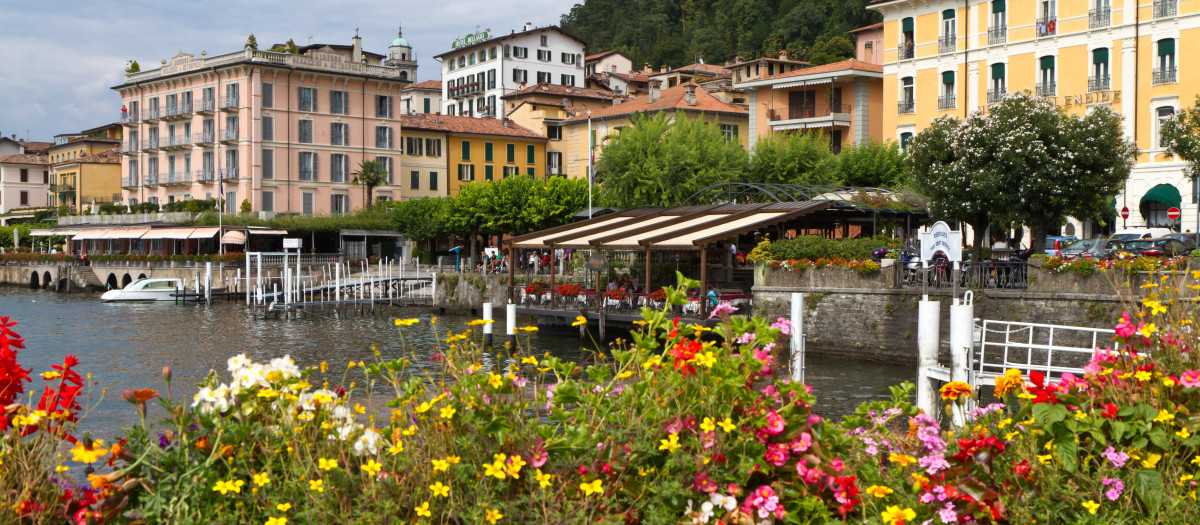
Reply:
x=252, y=43
x=661, y=159
x=796, y=158
x=423, y=219
x=370, y=174
x=133, y=68
x=831, y=49
x=1181, y=136
x=471, y=212
x=873, y=164
x=246, y=207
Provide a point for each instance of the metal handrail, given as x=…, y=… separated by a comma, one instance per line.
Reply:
x=997, y=35
x=1045, y=89
x=1163, y=76
x=1099, y=83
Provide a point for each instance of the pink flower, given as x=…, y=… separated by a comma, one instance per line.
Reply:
x=775, y=423
x=777, y=454
x=784, y=326
x=1115, y=488
x=811, y=476
x=1125, y=328
x=1191, y=379
x=802, y=443
x=722, y=308
x=1118, y=459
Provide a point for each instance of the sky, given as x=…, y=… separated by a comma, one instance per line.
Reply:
x=59, y=59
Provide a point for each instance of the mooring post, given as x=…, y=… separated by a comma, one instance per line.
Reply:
x=603, y=321
x=487, y=327
x=510, y=314
x=929, y=322
x=337, y=283
x=248, y=255
x=961, y=330
x=798, y=337
x=208, y=281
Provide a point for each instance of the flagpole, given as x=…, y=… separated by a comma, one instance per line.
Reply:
x=591, y=164
x=221, y=213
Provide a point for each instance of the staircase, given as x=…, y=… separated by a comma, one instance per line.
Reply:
x=86, y=277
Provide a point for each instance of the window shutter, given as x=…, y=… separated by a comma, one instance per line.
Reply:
x=268, y=163
x=907, y=25
x=997, y=71
x=735, y=130
x=1100, y=56
x=315, y=164
x=998, y=6
x=947, y=77
x=488, y=172
x=1048, y=62
x=1166, y=47
x=529, y=154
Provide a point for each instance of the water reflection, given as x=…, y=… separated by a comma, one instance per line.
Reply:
x=125, y=346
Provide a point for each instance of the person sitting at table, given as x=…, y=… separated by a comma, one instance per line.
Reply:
x=713, y=295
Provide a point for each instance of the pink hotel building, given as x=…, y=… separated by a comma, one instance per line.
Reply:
x=283, y=131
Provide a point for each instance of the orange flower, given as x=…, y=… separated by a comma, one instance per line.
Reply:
x=144, y=395
x=954, y=390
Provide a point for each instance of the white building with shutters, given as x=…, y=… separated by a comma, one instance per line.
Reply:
x=481, y=67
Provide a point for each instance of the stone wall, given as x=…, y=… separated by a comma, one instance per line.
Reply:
x=464, y=293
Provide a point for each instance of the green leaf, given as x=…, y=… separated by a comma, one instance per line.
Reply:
x=1159, y=438
x=1118, y=430
x=1048, y=414
x=1148, y=485
x=1068, y=455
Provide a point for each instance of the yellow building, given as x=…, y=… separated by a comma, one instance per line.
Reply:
x=543, y=107
x=479, y=149
x=944, y=57
x=85, y=171
x=687, y=99
x=422, y=171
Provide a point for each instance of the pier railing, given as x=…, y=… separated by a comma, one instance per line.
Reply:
x=989, y=274
x=630, y=303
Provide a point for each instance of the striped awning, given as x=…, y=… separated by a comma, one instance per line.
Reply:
x=802, y=83
x=51, y=232
x=126, y=233
x=204, y=233
x=233, y=237
x=253, y=231
x=168, y=233
x=87, y=235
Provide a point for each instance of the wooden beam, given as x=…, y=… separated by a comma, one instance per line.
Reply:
x=636, y=212
x=651, y=227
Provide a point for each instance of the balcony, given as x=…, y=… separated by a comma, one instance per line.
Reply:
x=178, y=177
x=178, y=141
x=202, y=138
x=62, y=188
x=129, y=147
x=150, y=114
x=179, y=111
x=810, y=115
x=945, y=103
x=554, y=171
x=948, y=44
x=227, y=103
x=149, y=144
x=1163, y=76
x=906, y=107
x=996, y=95
x=129, y=182
x=1042, y=89
x=1047, y=26
x=150, y=179
x=130, y=119
x=1166, y=8
x=997, y=35
x=228, y=135
x=204, y=175
x=229, y=173
x=206, y=106
x=1099, y=83
x=465, y=90
x=1098, y=18
x=906, y=50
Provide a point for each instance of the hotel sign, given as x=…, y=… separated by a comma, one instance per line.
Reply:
x=473, y=38
x=1097, y=97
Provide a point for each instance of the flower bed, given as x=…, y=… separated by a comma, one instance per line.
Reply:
x=1127, y=266
x=567, y=290
x=536, y=288
x=616, y=294
x=799, y=265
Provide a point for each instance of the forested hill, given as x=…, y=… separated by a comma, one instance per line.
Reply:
x=678, y=32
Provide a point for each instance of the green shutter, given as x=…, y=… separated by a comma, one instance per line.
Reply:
x=948, y=14
x=466, y=150
x=905, y=140
x=906, y=25
x=947, y=77
x=1048, y=62
x=487, y=151
x=998, y=6
x=488, y=172
x=1166, y=47
x=531, y=171
x=511, y=153
x=735, y=130
x=1100, y=56
x=997, y=70
x=530, y=154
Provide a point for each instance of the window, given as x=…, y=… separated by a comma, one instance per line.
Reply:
x=451, y=65
x=543, y=55
x=231, y=164
x=568, y=58
x=231, y=202
x=906, y=38
x=544, y=40
x=543, y=77
x=231, y=128
x=1046, y=84
x=1165, y=73
x=24, y=174
x=415, y=181
x=949, y=40
x=412, y=145
x=1162, y=115
x=208, y=165
x=339, y=102
x=268, y=95
x=339, y=167
x=268, y=201
x=531, y=171
x=511, y=170
x=947, y=98
x=907, y=96
x=530, y=154
x=304, y=131
x=24, y=198
x=187, y=163
x=905, y=139
x=433, y=147
x=308, y=167
x=339, y=203
x=426, y=107
x=383, y=137
x=567, y=80
x=1047, y=22
x=307, y=99
x=466, y=150
x=268, y=164
x=462, y=62
x=268, y=127
x=386, y=164
x=1099, y=79
x=471, y=59
x=996, y=92
x=493, y=52
x=231, y=95
x=520, y=76
x=730, y=131
x=491, y=81
x=433, y=178
x=554, y=132
x=306, y=202
x=466, y=172
x=383, y=106
x=520, y=52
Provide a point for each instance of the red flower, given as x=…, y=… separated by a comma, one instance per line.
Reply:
x=684, y=352
x=1110, y=411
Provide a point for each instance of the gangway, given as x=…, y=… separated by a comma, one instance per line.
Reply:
x=1052, y=350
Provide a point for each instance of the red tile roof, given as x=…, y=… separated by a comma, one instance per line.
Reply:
x=469, y=125
x=628, y=77
x=830, y=68
x=23, y=159
x=707, y=68
x=669, y=99
x=108, y=156
x=767, y=59
x=427, y=84
x=34, y=146
x=561, y=91
x=867, y=28
x=603, y=54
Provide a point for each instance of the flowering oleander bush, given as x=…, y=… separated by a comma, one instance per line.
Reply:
x=799, y=265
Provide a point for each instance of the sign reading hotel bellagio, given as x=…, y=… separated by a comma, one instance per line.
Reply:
x=1097, y=97
x=471, y=39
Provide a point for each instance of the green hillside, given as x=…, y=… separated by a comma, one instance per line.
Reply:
x=678, y=32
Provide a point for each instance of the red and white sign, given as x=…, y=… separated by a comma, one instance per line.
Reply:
x=1173, y=213
x=1125, y=212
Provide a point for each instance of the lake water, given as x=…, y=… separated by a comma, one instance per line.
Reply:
x=126, y=345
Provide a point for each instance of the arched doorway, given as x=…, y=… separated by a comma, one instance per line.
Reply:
x=33, y=281
x=141, y=276
x=126, y=280
x=46, y=280
x=112, y=281
x=1155, y=203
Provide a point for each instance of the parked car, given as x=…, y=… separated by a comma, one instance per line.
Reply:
x=1097, y=248
x=1189, y=239
x=1140, y=233
x=1054, y=243
x=1166, y=247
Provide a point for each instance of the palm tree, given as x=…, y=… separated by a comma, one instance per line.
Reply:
x=370, y=174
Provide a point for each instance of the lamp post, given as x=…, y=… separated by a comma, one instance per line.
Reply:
x=591, y=164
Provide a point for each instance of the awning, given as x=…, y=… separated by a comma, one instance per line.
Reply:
x=86, y=235
x=948, y=14
x=906, y=25
x=1048, y=62
x=204, y=233
x=1166, y=47
x=253, y=231
x=126, y=233
x=233, y=237
x=1100, y=56
x=538, y=239
x=168, y=233
x=997, y=70
x=1164, y=193
x=801, y=83
x=51, y=232
x=998, y=6
x=810, y=125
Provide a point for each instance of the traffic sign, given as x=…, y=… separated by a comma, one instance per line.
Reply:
x=1125, y=212
x=1173, y=213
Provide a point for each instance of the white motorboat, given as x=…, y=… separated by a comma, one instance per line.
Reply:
x=147, y=290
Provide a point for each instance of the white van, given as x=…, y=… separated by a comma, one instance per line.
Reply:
x=1140, y=233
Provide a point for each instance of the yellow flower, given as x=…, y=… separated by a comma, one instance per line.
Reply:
x=322, y=397
x=652, y=362
x=492, y=516
x=397, y=448
x=895, y=514
x=495, y=381
x=1184, y=479
x=529, y=360
x=61, y=468
x=544, y=479
x=579, y=321
x=1142, y=375
x=1147, y=330
x=448, y=412
x=83, y=454
x=261, y=479
x=440, y=465
x=283, y=507
x=406, y=322
x=276, y=521
x=514, y=466
x=372, y=467
x=624, y=374
x=1163, y=416
x=707, y=425
x=439, y=490
x=901, y=459
x=423, y=510
x=529, y=329
x=359, y=409
x=1009, y=436
x=1045, y=460
x=316, y=485
x=497, y=468
x=453, y=460
x=327, y=464
x=1183, y=433
x=954, y=390
x=1091, y=506
x=423, y=407
x=670, y=444
x=1151, y=460
x=594, y=487
x=224, y=487
x=705, y=359
x=50, y=375
x=412, y=429
x=879, y=491
x=1168, y=382
x=1080, y=415
x=727, y=425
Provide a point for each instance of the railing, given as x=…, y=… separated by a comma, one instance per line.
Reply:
x=1098, y=18
x=179, y=140
x=62, y=188
x=149, y=143
x=130, y=118
x=906, y=107
x=1045, y=89
x=229, y=134
x=129, y=146
x=202, y=138
x=149, y=114
x=182, y=65
x=467, y=89
x=126, y=182
x=554, y=170
x=227, y=102
x=1049, y=349
x=991, y=274
x=229, y=173
x=997, y=35
x=947, y=102
x=1047, y=26
x=306, y=174
x=995, y=95
x=1165, y=8
x=906, y=50
x=205, y=105
x=128, y=218
x=204, y=175
x=1098, y=83
x=1163, y=76
x=176, y=177
x=947, y=44
x=150, y=178
x=813, y=111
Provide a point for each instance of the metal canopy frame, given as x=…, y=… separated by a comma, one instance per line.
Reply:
x=746, y=192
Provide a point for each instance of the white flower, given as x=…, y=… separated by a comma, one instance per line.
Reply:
x=237, y=362
x=726, y=502
x=366, y=442
x=286, y=368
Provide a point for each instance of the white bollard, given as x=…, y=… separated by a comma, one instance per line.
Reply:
x=208, y=281
x=961, y=332
x=487, y=327
x=258, y=263
x=510, y=311
x=337, y=283
x=929, y=326
x=287, y=285
x=798, y=337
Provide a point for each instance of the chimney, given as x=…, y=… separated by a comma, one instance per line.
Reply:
x=437, y=117
x=528, y=26
x=689, y=94
x=646, y=68
x=654, y=90
x=663, y=68
x=356, y=42
x=614, y=68
x=505, y=123
x=783, y=54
